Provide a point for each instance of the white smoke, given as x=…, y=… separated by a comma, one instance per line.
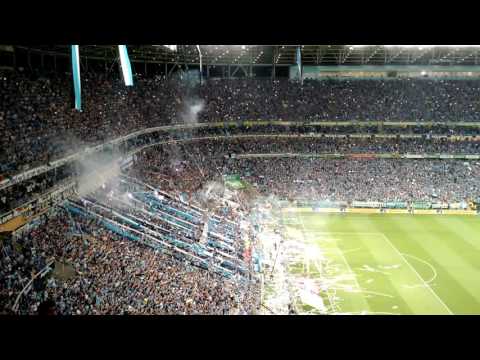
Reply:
x=190, y=111
x=175, y=157
x=211, y=194
x=95, y=172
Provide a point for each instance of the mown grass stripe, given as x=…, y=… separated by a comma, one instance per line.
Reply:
x=412, y=237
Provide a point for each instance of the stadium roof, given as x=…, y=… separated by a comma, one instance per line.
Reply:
x=282, y=54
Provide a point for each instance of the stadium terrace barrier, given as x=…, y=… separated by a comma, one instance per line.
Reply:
x=379, y=211
x=28, y=286
x=112, y=219
x=359, y=156
x=387, y=207
x=40, y=203
x=171, y=246
x=6, y=182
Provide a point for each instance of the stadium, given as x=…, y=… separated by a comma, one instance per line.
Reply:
x=239, y=179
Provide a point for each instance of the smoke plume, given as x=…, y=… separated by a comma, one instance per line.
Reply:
x=95, y=171
x=190, y=111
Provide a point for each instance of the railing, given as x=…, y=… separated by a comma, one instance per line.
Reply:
x=157, y=241
x=52, y=194
x=28, y=286
x=89, y=150
x=360, y=156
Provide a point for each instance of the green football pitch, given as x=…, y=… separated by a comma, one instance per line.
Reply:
x=383, y=264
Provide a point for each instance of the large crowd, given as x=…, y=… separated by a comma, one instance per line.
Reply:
x=108, y=274
x=38, y=122
x=363, y=180
x=413, y=99
x=187, y=167
x=169, y=174
x=28, y=190
x=321, y=145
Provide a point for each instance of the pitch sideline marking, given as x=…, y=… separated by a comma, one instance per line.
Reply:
x=395, y=249
x=339, y=251
x=333, y=304
x=415, y=271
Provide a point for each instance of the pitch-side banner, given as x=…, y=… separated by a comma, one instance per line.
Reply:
x=421, y=205
x=395, y=205
x=439, y=206
x=366, y=204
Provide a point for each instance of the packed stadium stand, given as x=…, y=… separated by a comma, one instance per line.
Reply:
x=125, y=206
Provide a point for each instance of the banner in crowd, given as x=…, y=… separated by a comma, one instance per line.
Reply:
x=234, y=182
x=299, y=63
x=233, y=177
x=126, y=66
x=76, y=77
